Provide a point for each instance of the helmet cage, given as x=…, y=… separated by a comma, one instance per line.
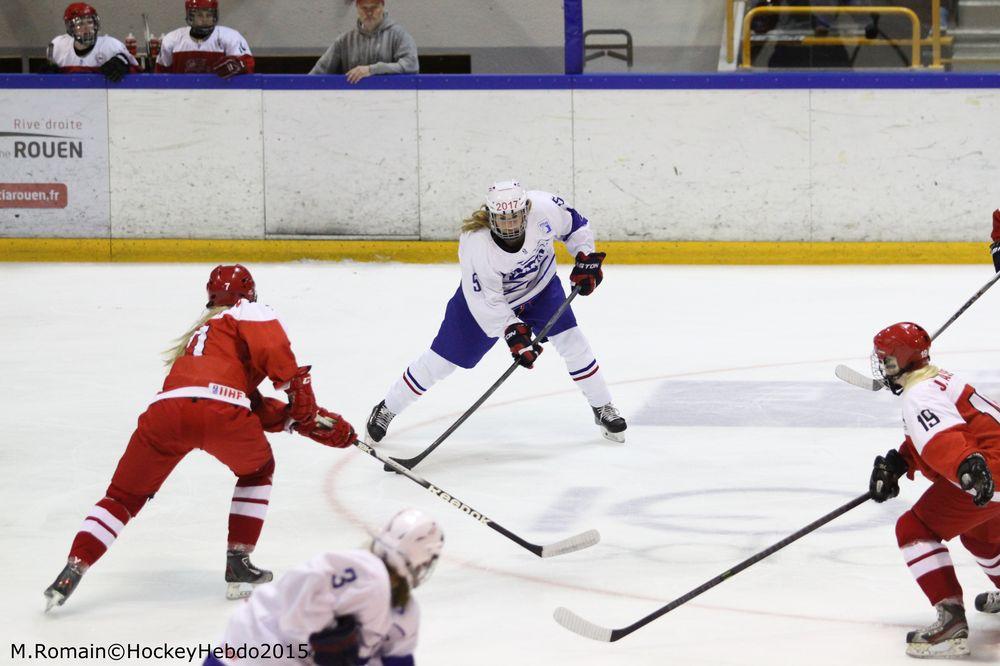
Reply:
x=507, y=207
x=194, y=6
x=85, y=15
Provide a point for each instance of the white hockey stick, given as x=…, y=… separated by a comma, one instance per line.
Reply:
x=855, y=378
x=568, y=545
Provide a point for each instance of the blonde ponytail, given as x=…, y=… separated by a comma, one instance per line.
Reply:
x=480, y=219
x=181, y=343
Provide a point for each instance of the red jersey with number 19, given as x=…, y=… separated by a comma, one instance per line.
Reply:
x=946, y=421
x=230, y=355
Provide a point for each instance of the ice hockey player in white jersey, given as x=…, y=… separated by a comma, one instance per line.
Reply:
x=83, y=50
x=204, y=47
x=510, y=288
x=341, y=608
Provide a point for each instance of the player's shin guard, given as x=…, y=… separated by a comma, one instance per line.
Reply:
x=988, y=557
x=928, y=559
x=417, y=379
x=103, y=525
x=583, y=367
x=249, y=508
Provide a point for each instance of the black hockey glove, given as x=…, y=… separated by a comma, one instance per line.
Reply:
x=337, y=646
x=886, y=473
x=518, y=338
x=48, y=67
x=115, y=69
x=587, y=273
x=975, y=478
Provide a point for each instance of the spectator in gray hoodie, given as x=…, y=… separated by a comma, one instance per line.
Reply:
x=377, y=45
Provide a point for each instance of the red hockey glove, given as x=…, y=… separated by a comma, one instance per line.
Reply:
x=995, y=247
x=230, y=67
x=587, y=273
x=273, y=413
x=328, y=429
x=302, y=402
x=518, y=338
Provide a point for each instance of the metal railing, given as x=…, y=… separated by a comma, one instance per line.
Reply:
x=915, y=42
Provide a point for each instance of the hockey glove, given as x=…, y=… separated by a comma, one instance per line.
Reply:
x=886, y=472
x=302, y=402
x=328, y=429
x=995, y=236
x=337, y=646
x=230, y=67
x=587, y=273
x=48, y=67
x=975, y=478
x=115, y=69
x=273, y=413
x=518, y=338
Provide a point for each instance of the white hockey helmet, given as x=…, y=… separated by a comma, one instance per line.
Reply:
x=507, y=207
x=410, y=544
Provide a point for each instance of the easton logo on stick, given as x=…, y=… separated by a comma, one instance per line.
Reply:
x=465, y=508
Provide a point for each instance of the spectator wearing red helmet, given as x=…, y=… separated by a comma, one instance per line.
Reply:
x=83, y=50
x=204, y=47
x=210, y=401
x=952, y=436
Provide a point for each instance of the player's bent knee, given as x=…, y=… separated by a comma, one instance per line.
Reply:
x=131, y=502
x=909, y=529
x=259, y=477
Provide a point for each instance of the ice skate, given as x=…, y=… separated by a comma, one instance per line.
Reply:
x=611, y=422
x=242, y=575
x=988, y=602
x=378, y=423
x=947, y=638
x=64, y=585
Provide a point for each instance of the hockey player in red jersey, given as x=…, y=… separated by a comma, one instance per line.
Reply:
x=82, y=50
x=995, y=238
x=952, y=436
x=204, y=47
x=210, y=401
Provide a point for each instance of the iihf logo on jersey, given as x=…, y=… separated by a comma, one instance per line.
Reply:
x=545, y=227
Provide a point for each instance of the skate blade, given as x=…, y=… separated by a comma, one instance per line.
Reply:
x=53, y=599
x=617, y=437
x=238, y=591
x=954, y=648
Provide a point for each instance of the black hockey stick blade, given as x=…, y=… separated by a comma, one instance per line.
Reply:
x=410, y=463
x=855, y=378
x=568, y=545
x=587, y=629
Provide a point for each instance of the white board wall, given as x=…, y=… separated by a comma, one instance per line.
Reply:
x=778, y=165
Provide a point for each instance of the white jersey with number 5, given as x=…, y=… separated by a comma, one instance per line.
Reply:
x=310, y=597
x=494, y=280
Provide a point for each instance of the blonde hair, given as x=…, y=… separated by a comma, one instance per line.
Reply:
x=480, y=219
x=181, y=343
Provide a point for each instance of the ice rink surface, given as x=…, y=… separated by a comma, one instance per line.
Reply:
x=739, y=434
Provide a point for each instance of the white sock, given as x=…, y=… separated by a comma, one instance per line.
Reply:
x=583, y=368
x=416, y=380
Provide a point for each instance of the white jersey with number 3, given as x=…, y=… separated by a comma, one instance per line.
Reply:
x=494, y=281
x=310, y=597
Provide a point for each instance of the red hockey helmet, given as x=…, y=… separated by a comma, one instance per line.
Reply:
x=228, y=284
x=80, y=13
x=902, y=347
x=191, y=6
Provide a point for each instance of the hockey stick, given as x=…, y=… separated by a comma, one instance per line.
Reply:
x=149, y=52
x=854, y=377
x=410, y=463
x=578, y=625
x=568, y=545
